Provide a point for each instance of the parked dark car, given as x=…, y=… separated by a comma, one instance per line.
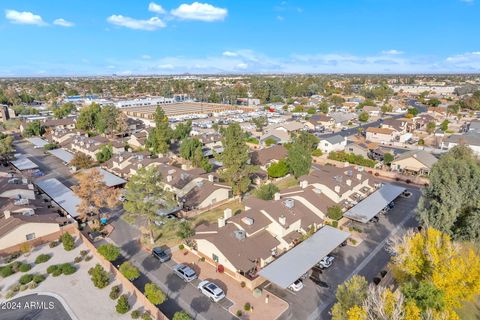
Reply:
x=161, y=254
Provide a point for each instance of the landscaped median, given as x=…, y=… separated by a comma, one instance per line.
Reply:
x=246, y=303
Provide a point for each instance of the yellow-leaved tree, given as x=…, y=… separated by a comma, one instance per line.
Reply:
x=440, y=269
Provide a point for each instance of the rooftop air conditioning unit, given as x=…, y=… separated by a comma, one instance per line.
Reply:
x=239, y=234
x=289, y=203
x=317, y=191
x=247, y=220
x=29, y=212
x=20, y=202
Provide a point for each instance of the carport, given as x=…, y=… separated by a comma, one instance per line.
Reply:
x=109, y=179
x=23, y=163
x=61, y=195
x=373, y=204
x=38, y=142
x=62, y=154
x=296, y=262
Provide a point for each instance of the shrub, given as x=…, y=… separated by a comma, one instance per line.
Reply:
x=181, y=247
x=122, y=306
x=277, y=170
x=83, y=253
x=78, y=259
x=26, y=278
x=266, y=191
x=146, y=316
x=25, y=267
x=115, y=292
x=154, y=294
x=335, y=224
x=67, y=241
x=109, y=251
x=247, y=306
x=239, y=313
x=129, y=270
x=6, y=271
x=42, y=258
x=53, y=244
x=12, y=257
x=243, y=284
x=23, y=287
x=88, y=258
x=57, y=272
x=10, y=294
x=38, y=278
x=335, y=212
x=317, y=153
x=351, y=158
x=15, y=287
x=99, y=276
x=32, y=285
x=16, y=266
x=52, y=268
x=181, y=315
x=67, y=269
x=136, y=314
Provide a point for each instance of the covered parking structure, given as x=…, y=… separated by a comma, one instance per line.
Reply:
x=61, y=195
x=23, y=163
x=37, y=142
x=373, y=204
x=296, y=262
x=109, y=179
x=62, y=154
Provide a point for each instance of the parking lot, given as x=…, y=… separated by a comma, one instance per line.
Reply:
x=367, y=259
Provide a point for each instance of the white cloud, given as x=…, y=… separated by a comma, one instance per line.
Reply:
x=242, y=66
x=145, y=57
x=154, y=7
x=392, y=52
x=467, y=1
x=199, y=11
x=63, y=23
x=166, y=66
x=229, y=54
x=280, y=18
x=24, y=17
x=151, y=24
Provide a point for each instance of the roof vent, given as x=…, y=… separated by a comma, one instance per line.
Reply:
x=183, y=175
x=247, y=220
x=317, y=191
x=199, y=184
x=20, y=202
x=289, y=203
x=239, y=234
x=171, y=171
x=29, y=212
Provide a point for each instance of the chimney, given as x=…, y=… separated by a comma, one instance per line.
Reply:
x=30, y=186
x=359, y=176
x=210, y=177
x=282, y=220
x=337, y=189
x=221, y=222
x=6, y=213
x=169, y=178
x=349, y=182
x=303, y=184
x=276, y=196
x=227, y=213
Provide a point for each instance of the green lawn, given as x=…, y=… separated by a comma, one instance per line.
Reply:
x=471, y=310
x=287, y=183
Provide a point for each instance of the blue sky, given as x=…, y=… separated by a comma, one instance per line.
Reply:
x=102, y=37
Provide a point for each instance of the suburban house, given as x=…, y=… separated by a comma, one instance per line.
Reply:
x=380, y=135
x=372, y=111
x=60, y=124
x=138, y=139
x=23, y=216
x=320, y=122
x=414, y=162
x=333, y=143
x=343, y=118
x=245, y=243
x=471, y=139
x=366, y=150
x=266, y=156
x=278, y=136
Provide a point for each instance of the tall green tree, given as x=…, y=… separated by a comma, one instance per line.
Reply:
x=6, y=147
x=299, y=160
x=235, y=158
x=106, y=121
x=349, y=294
x=182, y=130
x=159, y=137
x=307, y=140
x=34, y=128
x=145, y=196
x=451, y=203
x=260, y=122
x=105, y=153
x=87, y=119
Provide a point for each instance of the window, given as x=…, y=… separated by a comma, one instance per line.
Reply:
x=30, y=236
x=215, y=257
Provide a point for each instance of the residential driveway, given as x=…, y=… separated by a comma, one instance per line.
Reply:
x=181, y=295
x=368, y=259
x=34, y=306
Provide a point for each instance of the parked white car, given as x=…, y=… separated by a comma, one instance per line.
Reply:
x=326, y=262
x=211, y=290
x=296, y=286
x=185, y=272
